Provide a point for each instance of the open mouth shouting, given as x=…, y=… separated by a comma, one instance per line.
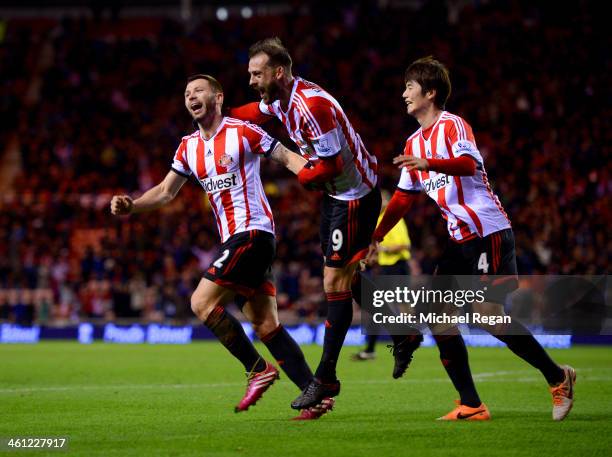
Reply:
x=197, y=108
x=262, y=93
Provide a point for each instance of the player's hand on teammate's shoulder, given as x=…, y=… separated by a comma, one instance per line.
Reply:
x=411, y=163
x=121, y=205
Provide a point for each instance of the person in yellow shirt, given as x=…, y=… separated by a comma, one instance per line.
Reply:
x=392, y=258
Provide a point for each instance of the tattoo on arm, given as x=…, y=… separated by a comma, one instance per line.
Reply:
x=292, y=161
x=278, y=154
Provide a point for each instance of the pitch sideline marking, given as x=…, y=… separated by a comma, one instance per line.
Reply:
x=480, y=377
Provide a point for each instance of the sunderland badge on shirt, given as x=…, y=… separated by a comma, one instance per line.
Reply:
x=225, y=160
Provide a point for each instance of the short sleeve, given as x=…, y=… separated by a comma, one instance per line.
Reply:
x=323, y=129
x=409, y=180
x=259, y=141
x=179, y=163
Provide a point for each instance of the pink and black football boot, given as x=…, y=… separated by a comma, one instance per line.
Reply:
x=315, y=412
x=257, y=384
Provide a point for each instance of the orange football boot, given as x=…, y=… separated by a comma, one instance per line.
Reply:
x=462, y=412
x=563, y=394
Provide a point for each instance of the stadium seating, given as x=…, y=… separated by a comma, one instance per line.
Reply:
x=97, y=110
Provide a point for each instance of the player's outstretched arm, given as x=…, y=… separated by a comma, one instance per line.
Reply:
x=411, y=162
x=250, y=113
x=398, y=206
x=458, y=166
x=152, y=199
x=294, y=162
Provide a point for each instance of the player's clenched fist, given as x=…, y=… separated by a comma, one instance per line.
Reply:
x=121, y=205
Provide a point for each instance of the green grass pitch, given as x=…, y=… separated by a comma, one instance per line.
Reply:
x=146, y=400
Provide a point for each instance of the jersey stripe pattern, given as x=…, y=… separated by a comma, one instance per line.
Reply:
x=317, y=124
x=227, y=167
x=467, y=202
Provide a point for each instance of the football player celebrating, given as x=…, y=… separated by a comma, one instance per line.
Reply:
x=340, y=165
x=442, y=159
x=223, y=154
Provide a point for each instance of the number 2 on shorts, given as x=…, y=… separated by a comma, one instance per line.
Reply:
x=219, y=262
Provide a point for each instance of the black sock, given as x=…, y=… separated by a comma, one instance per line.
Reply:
x=454, y=356
x=339, y=317
x=288, y=355
x=520, y=341
x=371, y=343
x=231, y=335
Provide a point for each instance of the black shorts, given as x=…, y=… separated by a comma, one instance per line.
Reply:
x=491, y=261
x=245, y=264
x=347, y=227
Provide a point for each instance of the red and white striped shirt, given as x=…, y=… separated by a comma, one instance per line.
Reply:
x=317, y=124
x=227, y=167
x=467, y=202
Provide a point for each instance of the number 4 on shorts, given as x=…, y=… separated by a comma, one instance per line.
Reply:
x=483, y=265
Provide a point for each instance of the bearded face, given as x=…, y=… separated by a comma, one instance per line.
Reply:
x=200, y=100
x=262, y=78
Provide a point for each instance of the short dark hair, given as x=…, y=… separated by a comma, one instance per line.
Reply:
x=214, y=84
x=431, y=74
x=275, y=50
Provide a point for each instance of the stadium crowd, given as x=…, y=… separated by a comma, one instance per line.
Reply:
x=96, y=108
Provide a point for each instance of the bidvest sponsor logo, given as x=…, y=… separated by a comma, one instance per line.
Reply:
x=86, y=333
x=160, y=334
x=354, y=336
x=218, y=183
x=434, y=184
x=15, y=334
x=248, y=329
x=302, y=334
x=132, y=335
